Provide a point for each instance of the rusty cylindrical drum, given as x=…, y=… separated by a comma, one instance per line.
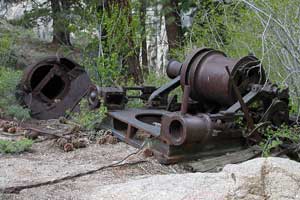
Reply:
x=52, y=86
x=205, y=72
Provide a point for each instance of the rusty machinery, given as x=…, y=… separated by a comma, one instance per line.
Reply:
x=224, y=102
x=53, y=86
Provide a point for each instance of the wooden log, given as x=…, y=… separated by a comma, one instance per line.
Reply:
x=217, y=163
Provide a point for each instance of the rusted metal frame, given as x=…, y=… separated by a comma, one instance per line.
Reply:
x=107, y=124
x=130, y=117
x=168, y=154
x=185, y=99
x=237, y=106
x=145, y=91
x=75, y=83
x=54, y=71
x=75, y=72
x=131, y=132
x=165, y=89
x=121, y=136
x=133, y=125
x=76, y=103
x=225, y=116
x=114, y=97
x=171, y=103
x=187, y=135
x=46, y=79
x=198, y=133
x=250, y=123
x=255, y=137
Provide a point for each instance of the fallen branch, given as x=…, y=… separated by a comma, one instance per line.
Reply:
x=11, y=135
x=212, y=164
x=18, y=189
x=43, y=132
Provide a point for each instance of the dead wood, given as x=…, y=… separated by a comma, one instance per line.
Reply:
x=11, y=135
x=212, y=164
x=47, y=133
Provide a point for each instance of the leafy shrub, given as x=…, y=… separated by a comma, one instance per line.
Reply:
x=7, y=57
x=106, y=58
x=15, y=146
x=275, y=137
x=89, y=118
x=104, y=70
x=8, y=103
x=158, y=79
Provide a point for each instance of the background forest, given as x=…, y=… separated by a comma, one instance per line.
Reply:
x=129, y=42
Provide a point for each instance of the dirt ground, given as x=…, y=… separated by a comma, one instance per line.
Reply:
x=47, y=162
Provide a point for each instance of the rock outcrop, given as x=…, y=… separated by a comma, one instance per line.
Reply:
x=262, y=178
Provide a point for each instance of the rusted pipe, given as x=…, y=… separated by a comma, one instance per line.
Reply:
x=179, y=129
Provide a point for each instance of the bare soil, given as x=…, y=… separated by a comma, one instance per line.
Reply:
x=47, y=162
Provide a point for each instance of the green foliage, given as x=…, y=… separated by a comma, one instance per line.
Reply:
x=9, y=79
x=275, y=137
x=17, y=112
x=8, y=103
x=89, y=118
x=222, y=25
x=113, y=35
x=10, y=147
x=5, y=42
x=6, y=50
x=158, y=79
x=209, y=26
x=239, y=121
x=104, y=70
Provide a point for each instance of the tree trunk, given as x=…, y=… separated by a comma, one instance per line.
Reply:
x=61, y=35
x=143, y=12
x=173, y=24
x=133, y=61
